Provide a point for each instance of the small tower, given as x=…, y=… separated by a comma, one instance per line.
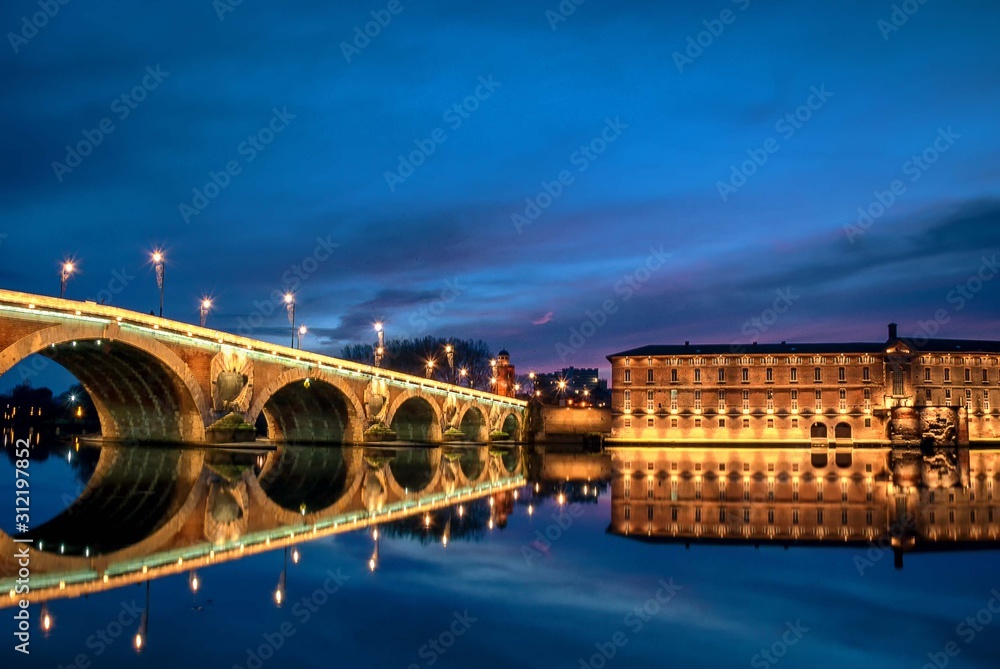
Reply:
x=504, y=374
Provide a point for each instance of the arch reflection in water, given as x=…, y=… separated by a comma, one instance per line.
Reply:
x=905, y=499
x=148, y=513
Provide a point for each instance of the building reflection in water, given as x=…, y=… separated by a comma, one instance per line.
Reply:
x=906, y=499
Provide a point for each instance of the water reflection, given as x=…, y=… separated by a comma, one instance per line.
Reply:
x=146, y=512
x=905, y=499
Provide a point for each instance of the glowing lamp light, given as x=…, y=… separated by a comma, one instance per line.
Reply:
x=138, y=641
x=378, y=327
x=289, y=298
x=46, y=619
x=295, y=555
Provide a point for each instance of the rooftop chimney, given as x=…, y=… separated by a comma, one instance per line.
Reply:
x=892, y=331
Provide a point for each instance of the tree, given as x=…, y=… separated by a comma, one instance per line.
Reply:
x=410, y=356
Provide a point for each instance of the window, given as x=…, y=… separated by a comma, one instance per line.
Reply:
x=746, y=423
x=897, y=380
x=818, y=374
x=769, y=374
x=770, y=516
x=842, y=401
x=722, y=515
x=947, y=374
x=793, y=375
x=722, y=422
x=649, y=400
x=697, y=375
x=650, y=422
x=986, y=400
x=722, y=400
x=968, y=399
x=770, y=400
x=947, y=397
x=745, y=375
x=868, y=422
x=819, y=401
x=697, y=400
x=968, y=375
x=842, y=374
x=673, y=400
x=927, y=396
x=746, y=514
x=697, y=515
x=866, y=373
x=746, y=400
x=868, y=399
x=649, y=376
x=628, y=376
x=628, y=422
x=722, y=375
x=770, y=423
x=795, y=422
x=673, y=422
x=673, y=513
x=819, y=516
x=628, y=362
x=795, y=400
x=927, y=374
x=628, y=400
x=649, y=361
x=673, y=376
x=697, y=422
x=795, y=516
x=649, y=512
x=843, y=517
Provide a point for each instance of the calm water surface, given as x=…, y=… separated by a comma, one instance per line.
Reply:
x=527, y=573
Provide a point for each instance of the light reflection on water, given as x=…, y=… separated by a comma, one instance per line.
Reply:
x=530, y=573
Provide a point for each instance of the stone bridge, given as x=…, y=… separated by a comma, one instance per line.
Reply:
x=158, y=380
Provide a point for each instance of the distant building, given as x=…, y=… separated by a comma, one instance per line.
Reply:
x=917, y=389
x=504, y=374
x=573, y=386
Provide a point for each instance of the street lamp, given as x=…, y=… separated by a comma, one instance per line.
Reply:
x=450, y=351
x=463, y=373
x=68, y=267
x=206, y=305
x=380, y=346
x=290, y=308
x=430, y=368
x=302, y=333
x=158, y=261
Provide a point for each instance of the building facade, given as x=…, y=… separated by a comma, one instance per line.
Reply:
x=897, y=390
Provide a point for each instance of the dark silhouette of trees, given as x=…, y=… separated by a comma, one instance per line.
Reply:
x=410, y=356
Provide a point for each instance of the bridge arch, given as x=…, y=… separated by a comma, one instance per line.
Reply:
x=415, y=417
x=472, y=421
x=415, y=470
x=511, y=425
x=305, y=405
x=326, y=486
x=142, y=390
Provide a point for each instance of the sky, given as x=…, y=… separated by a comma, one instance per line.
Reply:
x=562, y=184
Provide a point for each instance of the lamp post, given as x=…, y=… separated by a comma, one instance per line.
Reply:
x=380, y=346
x=206, y=305
x=158, y=265
x=68, y=267
x=430, y=368
x=462, y=373
x=302, y=333
x=290, y=308
x=450, y=352
x=142, y=634
x=279, y=592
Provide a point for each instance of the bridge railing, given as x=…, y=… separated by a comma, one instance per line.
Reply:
x=194, y=335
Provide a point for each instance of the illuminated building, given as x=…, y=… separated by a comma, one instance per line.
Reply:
x=899, y=390
x=504, y=374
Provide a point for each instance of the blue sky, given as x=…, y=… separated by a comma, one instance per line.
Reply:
x=441, y=251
